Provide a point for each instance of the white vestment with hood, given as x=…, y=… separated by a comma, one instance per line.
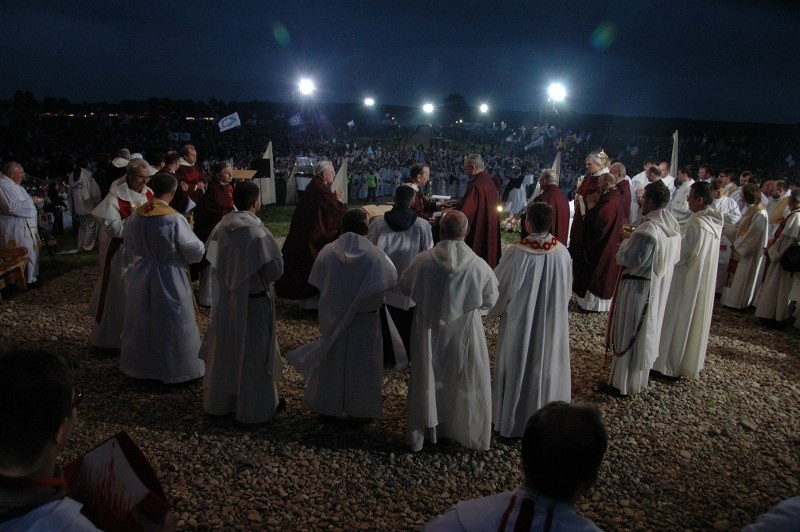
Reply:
x=749, y=240
x=160, y=338
x=240, y=348
x=532, y=365
x=684, y=336
x=345, y=366
x=773, y=300
x=107, y=305
x=647, y=257
x=449, y=394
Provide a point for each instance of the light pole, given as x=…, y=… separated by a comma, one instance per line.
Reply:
x=307, y=87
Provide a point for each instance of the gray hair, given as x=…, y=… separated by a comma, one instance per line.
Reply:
x=321, y=166
x=476, y=161
x=549, y=176
x=8, y=168
x=135, y=165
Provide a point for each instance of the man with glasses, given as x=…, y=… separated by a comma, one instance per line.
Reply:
x=108, y=300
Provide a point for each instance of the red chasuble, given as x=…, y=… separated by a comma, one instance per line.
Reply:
x=556, y=199
x=479, y=205
x=594, y=266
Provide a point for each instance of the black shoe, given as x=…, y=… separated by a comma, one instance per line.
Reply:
x=604, y=387
x=281, y=406
x=660, y=376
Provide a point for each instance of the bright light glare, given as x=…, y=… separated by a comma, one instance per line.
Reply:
x=369, y=102
x=557, y=92
x=484, y=108
x=306, y=86
x=428, y=108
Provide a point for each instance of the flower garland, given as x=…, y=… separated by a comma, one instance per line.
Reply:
x=536, y=244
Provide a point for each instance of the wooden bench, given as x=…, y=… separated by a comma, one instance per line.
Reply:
x=12, y=266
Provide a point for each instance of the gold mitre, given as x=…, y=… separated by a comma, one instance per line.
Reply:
x=603, y=156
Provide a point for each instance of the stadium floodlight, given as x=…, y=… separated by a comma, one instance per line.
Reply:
x=428, y=108
x=369, y=102
x=484, y=108
x=557, y=92
x=306, y=86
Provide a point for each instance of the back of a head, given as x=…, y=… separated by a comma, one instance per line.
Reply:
x=658, y=193
x=171, y=157
x=321, y=166
x=163, y=183
x=562, y=449
x=244, y=194
x=702, y=191
x=124, y=153
x=475, y=160
x=453, y=226
x=404, y=196
x=355, y=221
x=36, y=394
x=751, y=194
x=540, y=216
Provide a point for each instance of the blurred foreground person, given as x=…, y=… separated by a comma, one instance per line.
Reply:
x=315, y=222
x=240, y=348
x=532, y=361
x=107, y=305
x=38, y=415
x=160, y=339
x=345, y=366
x=647, y=256
x=449, y=394
x=562, y=450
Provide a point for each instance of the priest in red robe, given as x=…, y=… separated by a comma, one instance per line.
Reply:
x=191, y=181
x=418, y=177
x=479, y=205
x=548, y=181
x=617, y=169
x=315, y=222
x=594, y=267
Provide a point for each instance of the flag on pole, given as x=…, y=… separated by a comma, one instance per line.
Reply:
x=340, y=181
x=229, y=122
x=538, y=142
x=267, y=186
x=351, y=124
x=674, y=159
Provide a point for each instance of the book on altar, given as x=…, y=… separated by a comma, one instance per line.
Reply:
x=114, y=479
x=439, y=198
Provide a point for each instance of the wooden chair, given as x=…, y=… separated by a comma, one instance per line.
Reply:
x=12, y=266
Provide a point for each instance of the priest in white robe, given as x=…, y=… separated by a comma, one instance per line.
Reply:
x=84, y=196
x=648, y=256
x=532, y=366
x=160, y=338
x=345, y=366
x=18, y=220
x=679, y=204
x=402, y=235
x=240, y=349
x=107, y=305
x=684, y=336
x=731, y=216
x=449, y=394
x=749, y=237
x=773, y=301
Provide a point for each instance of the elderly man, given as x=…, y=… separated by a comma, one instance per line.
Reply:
x=638, y=182
x=315, y=222
x=18, y=218
x=449, y=394
x=594, y=267
x=684, y=336
x=107, y=305
x=402, y=235
x=562, y=450
x=240, y=348
x=551, y=195
x=479, y=205
x=532, y=358
x=160, y=339
x=647, y=257
x=617, y=169
x=344, y=368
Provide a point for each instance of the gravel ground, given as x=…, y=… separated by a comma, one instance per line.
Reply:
x=712, y=454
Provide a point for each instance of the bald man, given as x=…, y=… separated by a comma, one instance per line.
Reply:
x=18, y=218
x=449, y=394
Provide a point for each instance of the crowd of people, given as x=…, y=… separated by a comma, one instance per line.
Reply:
x=412, y=286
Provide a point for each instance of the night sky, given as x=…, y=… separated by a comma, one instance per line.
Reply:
x=709, y=60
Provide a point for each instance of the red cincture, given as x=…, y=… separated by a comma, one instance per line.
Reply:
x=535, y=244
